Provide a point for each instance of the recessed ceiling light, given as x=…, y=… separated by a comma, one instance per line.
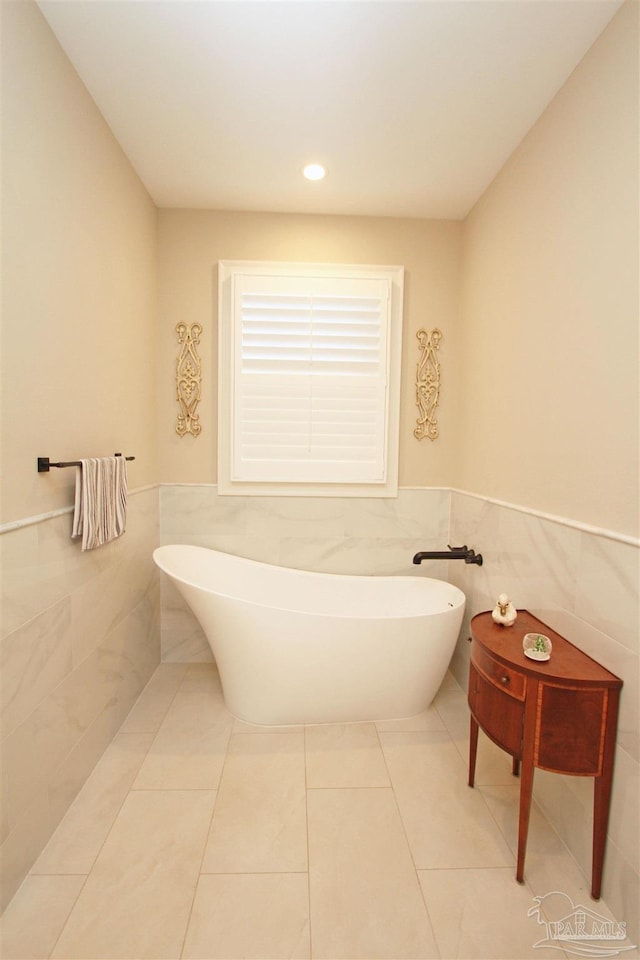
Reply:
x=314, y=171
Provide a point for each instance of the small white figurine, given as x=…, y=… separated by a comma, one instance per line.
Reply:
x=504, y=611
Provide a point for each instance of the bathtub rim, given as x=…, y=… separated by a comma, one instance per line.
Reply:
x=457, y=595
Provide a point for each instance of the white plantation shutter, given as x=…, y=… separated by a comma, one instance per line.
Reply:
x=309, y=378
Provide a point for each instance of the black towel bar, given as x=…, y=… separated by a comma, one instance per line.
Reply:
x=44, y=464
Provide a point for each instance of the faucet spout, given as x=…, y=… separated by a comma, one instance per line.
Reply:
x=453, y=553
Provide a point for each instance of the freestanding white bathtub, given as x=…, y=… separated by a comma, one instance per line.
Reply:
x=297, y=647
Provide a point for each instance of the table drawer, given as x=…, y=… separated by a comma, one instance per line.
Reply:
x=500, y=715
x=506, y=679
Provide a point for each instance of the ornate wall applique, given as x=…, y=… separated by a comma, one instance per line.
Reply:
x=188, y=379
x=427, y=384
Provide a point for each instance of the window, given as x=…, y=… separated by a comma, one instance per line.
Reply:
x=309, y=376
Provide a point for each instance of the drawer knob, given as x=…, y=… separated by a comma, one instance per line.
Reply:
x=504, y=679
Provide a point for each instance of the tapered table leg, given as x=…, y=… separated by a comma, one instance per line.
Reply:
x=602, y=797
x=601, y=801
x=526, y=787
x=473, y=749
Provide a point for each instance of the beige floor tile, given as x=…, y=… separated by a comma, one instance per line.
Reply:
x=429, y=719
x=493, y=765
x=448, y=824
x=137, y=898
x=549, y=865
x=481, y=914
x=242, y=726
x=189, y=750
x=259, y=820
x=154, y=701
x=202, y=671
x=503, y=800
x=451, y=704
x=255, y=916
x=344, y=755
x=32, y=922
x=23, y=845
x=364, y=893
x=76, y=842
x=144, y=848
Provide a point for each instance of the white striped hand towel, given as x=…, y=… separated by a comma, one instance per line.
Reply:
x=101, y=501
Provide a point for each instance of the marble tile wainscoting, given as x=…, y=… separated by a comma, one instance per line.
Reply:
x=585, y=584
x=80, y=639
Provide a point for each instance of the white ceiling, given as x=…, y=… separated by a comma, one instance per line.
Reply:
x=412, y=106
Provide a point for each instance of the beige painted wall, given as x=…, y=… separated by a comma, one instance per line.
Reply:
x=545, y=361
x=549, y=336
x=192, y=242
x=79, y=279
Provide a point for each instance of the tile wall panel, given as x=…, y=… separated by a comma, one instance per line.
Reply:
x=80, y=639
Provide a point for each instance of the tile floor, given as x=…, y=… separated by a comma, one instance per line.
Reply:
x=198, y=835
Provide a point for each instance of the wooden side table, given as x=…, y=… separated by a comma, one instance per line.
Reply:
x=559, y=715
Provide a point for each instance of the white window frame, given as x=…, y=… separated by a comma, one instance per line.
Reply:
x=228, y=271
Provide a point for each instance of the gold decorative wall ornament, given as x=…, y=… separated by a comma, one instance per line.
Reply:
x=188, y=379
x=427, y=384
